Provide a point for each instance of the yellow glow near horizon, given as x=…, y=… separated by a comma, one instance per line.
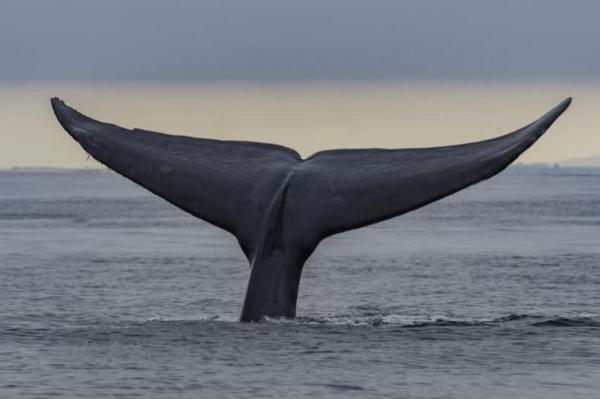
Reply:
x=308, y=118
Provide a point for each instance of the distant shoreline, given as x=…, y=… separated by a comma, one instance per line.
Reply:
x=551, y=169
x=514, y=170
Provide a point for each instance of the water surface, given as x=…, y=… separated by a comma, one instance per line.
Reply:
x=107, y=291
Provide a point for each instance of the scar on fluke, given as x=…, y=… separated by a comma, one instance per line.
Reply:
x=280, y=206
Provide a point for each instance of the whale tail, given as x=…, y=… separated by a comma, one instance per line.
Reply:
x=279, y=206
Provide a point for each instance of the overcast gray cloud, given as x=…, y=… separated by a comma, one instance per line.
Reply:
x=281, y=40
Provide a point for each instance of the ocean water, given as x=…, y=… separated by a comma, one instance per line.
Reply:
x=108, y=291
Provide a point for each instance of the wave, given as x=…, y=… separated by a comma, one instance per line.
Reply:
x=413, y=321
x=569, y=322
x=408, y=321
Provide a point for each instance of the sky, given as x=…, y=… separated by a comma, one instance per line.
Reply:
x=283, y=40
x=308, y=74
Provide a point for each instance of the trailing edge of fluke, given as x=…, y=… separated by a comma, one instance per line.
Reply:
x=280, y=206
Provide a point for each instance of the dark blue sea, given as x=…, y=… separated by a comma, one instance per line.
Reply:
x=107, y=291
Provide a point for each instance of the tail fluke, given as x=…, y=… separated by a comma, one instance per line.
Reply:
x=235, y=185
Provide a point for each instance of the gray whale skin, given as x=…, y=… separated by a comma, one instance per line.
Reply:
x=280, y=206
